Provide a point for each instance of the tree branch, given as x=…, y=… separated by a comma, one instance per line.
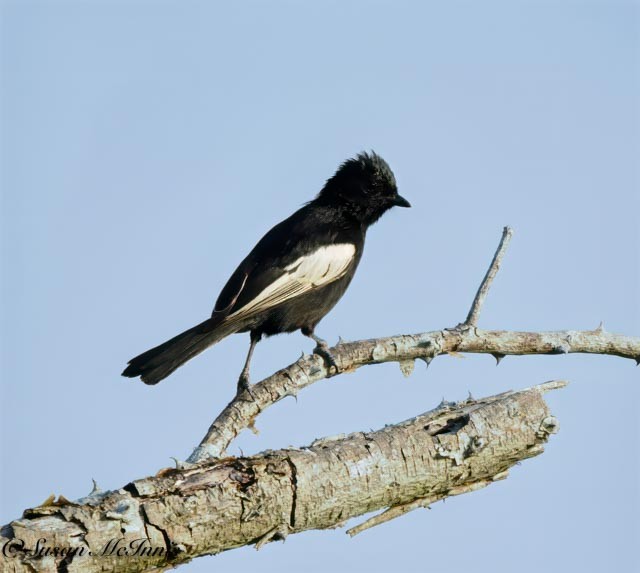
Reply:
x=483, y=289
x=224, y=503
x=159, y=522
x=241, y=412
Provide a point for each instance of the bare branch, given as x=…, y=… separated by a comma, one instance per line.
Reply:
x=399, y=510
x=483, y=289
x=180, y=514
x=223, y=503
x=241, y=412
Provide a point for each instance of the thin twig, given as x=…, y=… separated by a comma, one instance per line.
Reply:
x=399, y=510
x=483, y=290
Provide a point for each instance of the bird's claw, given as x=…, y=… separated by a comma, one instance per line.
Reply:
x=244, y=385
x=322, y=350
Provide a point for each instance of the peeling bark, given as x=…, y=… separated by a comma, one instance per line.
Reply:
x=227, y=503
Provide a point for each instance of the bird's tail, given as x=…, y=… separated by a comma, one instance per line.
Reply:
x=157, y=363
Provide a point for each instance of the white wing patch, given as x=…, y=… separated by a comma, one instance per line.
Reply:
x=316, y=269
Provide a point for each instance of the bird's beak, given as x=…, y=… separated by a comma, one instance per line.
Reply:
x=400, y=201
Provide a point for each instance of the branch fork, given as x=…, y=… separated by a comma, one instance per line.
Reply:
x=241, y=412
x=212, y=503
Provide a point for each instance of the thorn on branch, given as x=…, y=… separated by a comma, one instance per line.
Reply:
x=445, y=404
x=427, y=360
x=498, y=356
x=95, y=489
x=47, y=502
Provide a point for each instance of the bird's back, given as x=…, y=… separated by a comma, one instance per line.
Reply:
x=313, y=253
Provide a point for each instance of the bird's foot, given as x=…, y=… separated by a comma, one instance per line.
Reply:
x=322, y=350
x=244, y=385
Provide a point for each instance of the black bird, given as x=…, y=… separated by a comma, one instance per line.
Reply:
x=295, y=274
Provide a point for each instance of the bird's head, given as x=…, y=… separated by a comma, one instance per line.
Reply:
x=363, y=187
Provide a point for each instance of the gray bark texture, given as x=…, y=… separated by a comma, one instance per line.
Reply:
x=404, y=349
x=241, y=412
x=161, y=521
x=213, y=503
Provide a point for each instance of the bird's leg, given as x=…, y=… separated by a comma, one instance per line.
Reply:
x=322, y=349
x=243, y=381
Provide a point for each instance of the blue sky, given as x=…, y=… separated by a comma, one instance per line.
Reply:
x=146, y=147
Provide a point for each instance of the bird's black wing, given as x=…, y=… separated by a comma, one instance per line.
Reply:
x=298, y=255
